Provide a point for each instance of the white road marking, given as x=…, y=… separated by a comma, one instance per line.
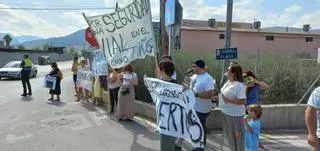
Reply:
x=83, y=122
x=13, y=139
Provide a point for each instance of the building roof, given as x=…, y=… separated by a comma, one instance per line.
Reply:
x=203, y=25
x=217, y=29
x=218, y=24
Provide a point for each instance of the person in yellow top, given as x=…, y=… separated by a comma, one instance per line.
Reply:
x=26, y=66
x=98, y=91
x=74, y=69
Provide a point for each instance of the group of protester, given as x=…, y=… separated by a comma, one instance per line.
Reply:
x=239, y=94
x=238, y=98
x=118, y=82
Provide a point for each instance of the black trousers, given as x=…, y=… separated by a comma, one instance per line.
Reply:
x=25, y=76
x=113, y=93
x=203, y=119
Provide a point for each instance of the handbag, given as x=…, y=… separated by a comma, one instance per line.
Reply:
x=103, y=82
x=125, y=91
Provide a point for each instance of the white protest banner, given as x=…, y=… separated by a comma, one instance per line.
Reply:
x=84, y=79
x=50, y=82
x=175, y=113
x=125, y=35
x=99, y=63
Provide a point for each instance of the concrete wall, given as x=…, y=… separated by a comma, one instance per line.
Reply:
x=282, y=116
x=5, y=57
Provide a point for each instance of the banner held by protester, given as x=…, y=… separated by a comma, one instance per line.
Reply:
x=99, y=63
x=174, y=110
x=50, y=82
x=125, y=35
x=84, y=79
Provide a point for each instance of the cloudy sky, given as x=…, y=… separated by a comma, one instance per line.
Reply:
x=48, y=23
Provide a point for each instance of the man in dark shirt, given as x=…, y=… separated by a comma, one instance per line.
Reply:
x=26, y=66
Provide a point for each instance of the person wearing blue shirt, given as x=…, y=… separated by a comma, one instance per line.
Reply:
x=253, y=88
x=252, y=127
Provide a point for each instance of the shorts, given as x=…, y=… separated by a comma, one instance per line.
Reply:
x=75, y=79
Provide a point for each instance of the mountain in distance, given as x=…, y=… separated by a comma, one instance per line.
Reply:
x=74, y=39
x=25, y=38
x=77, y=39
x=315, y=30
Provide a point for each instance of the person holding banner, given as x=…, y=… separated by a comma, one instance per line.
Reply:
x=82, y=92
x=167, y=58
x=127, y=94
x=232, y=102
x=114, y=87
x=202, y=85
x=55, y=72
x=166, y=70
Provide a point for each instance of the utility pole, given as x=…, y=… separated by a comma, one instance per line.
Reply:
x=225, y=63
x=228, y=31
x=164, y=38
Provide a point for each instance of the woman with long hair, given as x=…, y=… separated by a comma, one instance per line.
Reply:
x=231, y=101
x=55, y=72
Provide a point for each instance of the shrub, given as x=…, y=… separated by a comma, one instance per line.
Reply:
x=288, y=76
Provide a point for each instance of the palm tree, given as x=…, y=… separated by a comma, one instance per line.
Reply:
x=7, y=38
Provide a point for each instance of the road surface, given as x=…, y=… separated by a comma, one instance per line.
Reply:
x=35, y=124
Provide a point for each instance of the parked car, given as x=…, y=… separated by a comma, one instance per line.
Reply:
x=13, y=70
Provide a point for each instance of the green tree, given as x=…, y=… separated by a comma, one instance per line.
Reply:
x=7, y=38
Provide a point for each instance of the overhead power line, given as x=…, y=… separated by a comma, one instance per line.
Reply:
x=56, y=8
x=52, y=5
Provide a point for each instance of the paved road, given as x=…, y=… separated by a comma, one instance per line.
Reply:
x=34, y=124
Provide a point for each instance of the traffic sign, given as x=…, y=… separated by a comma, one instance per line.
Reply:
x=226, y=53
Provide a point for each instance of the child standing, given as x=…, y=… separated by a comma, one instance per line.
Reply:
x=252, y=127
